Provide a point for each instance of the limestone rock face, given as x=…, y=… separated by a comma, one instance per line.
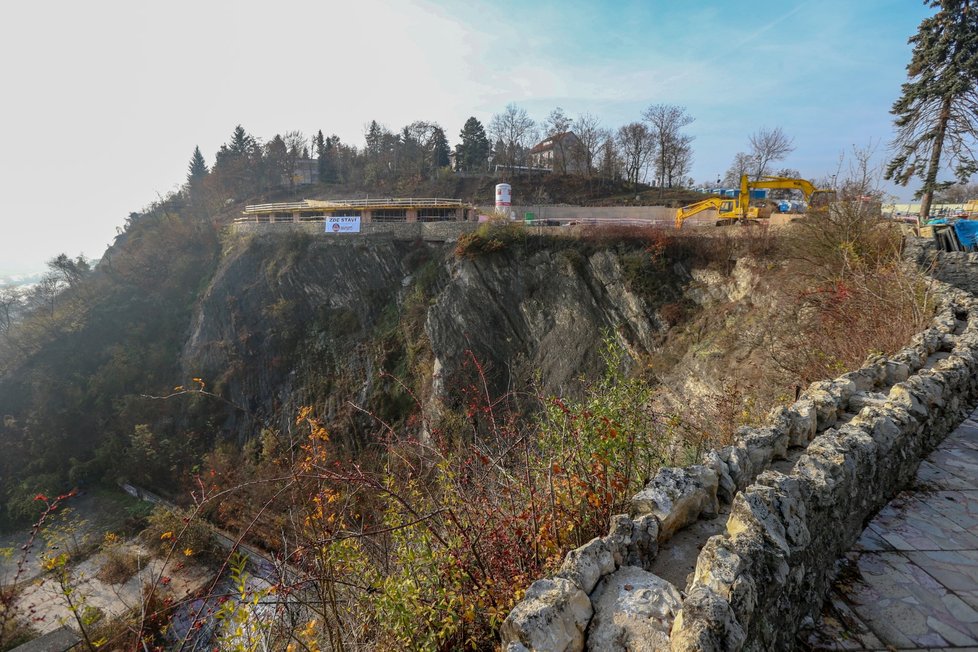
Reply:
x=537, y=316
x=633, y=612
x=677, y=497
x=550, y=618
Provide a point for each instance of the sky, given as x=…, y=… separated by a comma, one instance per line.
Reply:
x=105, y=100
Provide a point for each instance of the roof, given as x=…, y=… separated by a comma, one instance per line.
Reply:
x=550, y=142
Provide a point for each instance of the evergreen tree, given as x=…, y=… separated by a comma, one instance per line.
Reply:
x=936, y=113
x=242, y=144
x=439, y=148
x=238, y=164
x=276, y=161
x=197, y=169
x=319, y=147
x=472, y=154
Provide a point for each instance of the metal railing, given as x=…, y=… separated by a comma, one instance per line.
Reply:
x=389, y=202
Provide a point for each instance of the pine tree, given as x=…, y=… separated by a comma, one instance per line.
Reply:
x=472, y=154
x=936, y=113
x=241, y=143
x=197, y=169
x=319, y=147
x=439, y=148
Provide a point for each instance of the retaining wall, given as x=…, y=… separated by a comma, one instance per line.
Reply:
x=758, y=583
x=437, y=231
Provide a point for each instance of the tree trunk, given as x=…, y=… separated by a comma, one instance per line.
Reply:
x=935, y=160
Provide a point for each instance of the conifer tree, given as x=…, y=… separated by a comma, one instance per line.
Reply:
x=937, y=113
x=319, y=147
x=439, y=148
x=242, y=144
x=472, y=154
x=197, y=169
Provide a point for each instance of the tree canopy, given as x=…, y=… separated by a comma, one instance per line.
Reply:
x=937, y=111
x=472, y=153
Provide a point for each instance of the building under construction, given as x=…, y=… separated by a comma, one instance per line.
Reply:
x=368, y=210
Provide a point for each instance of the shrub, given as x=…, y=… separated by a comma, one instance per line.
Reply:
x=492, y=237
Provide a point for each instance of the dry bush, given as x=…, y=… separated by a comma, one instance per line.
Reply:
x=847, y=295
x=120, y=565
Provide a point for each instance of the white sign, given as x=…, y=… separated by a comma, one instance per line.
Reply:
x=343, y=224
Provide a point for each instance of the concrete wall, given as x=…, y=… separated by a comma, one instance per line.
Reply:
x=864, y=434
x=660, y=214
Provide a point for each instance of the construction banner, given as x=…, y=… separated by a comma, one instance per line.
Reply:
x=343, y=224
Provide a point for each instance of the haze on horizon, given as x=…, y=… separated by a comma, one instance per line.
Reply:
x=105, y=105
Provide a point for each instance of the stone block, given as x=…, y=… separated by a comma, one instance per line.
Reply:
x=645, y=542
x=902, y=395
x=677, y=497
x=551, y=617
x=738, y=465
x=803, y=422
x=726, y=488
x=706, y=623
x=633, y=612
x=721, y=569
x=864, y=379
x=619, y=537
x=586, y=565
x=826, y=408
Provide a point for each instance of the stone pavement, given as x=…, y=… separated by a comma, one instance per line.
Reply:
x=911, y=581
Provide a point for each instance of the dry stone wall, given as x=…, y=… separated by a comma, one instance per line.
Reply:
x=754, y=586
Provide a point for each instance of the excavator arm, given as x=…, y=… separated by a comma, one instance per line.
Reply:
x=686, y=212
x=813, y=195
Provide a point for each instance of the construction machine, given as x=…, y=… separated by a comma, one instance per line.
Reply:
x=740, y=209
x=737, y=208
x=971, y=209
x=813, y=196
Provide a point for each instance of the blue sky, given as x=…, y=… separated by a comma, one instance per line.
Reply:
x=106, y=100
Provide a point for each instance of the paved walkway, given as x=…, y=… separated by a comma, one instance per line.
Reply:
x=911, y=581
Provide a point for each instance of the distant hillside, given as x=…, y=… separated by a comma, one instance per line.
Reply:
x=19, y=279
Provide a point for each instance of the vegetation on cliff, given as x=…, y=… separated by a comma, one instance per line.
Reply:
x=335, y=406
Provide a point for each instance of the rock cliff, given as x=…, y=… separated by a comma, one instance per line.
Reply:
x=291, y=320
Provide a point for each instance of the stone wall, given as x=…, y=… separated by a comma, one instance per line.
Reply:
x=433, y=231
x=863, y=435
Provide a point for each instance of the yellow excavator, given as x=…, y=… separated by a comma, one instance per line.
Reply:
x=813, y=196
x=740, y=208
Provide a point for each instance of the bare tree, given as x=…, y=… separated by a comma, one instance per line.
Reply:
x=677, y=161
x=767, y=146
x=557, y=122
x=516, y=130
x=556, y=126
x=636, y=147
x=611, y=163
x=958, y=193
x=590, y=136
x=295, y=143
x=10, y=300
x=859, y=174
x=743, y=163
x=672, y=148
